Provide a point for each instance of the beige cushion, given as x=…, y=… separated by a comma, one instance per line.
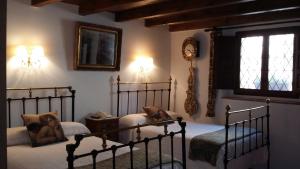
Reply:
x=44, y=128
x=156, y=115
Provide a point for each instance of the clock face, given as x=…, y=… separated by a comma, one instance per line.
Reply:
x=189, y=49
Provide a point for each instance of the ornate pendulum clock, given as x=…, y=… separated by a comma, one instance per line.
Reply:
x=190, y=51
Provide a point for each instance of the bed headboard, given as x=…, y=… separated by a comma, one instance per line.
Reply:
x=53, y=97
x=145, y=93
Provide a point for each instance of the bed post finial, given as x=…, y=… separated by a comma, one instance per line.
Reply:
x=138, y=131
x=104, y=139
x=118, y=95
x=228, y=107
x=268, y=100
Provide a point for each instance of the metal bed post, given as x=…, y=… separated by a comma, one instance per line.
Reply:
x=226, y=137
x=70, y=149
x=169, y=90
x=73, y=102
x=146, y=90
x=37, y=105
x=268, y=131
x=9, y=112
x=118, y=92
x=183, y=125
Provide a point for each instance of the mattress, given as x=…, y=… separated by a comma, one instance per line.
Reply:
x=54, y=155
x=192, y=130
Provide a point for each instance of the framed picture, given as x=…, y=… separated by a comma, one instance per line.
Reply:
x=97, y=47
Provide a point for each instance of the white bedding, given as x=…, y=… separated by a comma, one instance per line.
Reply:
x=192, y=129
x=53, y=156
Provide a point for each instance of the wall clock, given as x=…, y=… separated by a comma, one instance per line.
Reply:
x=190, y=48
x=189, y=52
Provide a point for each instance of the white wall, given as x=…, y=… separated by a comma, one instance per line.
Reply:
x=285, y=135
x=53, y=27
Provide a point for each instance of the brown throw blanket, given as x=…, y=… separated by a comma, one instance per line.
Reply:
x=205, y=147
x=139, y=161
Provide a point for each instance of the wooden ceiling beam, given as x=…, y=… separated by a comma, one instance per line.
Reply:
x=39, y=3
x=230, y=10
x=88, y=7
x=74, y=2
x=171, y=7
x=237, y=20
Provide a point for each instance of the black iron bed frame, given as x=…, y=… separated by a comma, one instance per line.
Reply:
x=265, y=139
x=145, y=90
x=71, y=148
x=265, y=142
x=55, y=96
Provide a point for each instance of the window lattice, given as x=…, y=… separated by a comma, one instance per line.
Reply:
x=281, y=51
x=251, y=60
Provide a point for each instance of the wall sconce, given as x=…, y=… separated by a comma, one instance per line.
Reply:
x=143, y=65
x=30, y=57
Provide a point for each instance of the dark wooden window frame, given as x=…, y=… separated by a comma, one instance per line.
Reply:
x=264, y=70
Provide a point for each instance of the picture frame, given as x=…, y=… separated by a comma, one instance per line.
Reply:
x=97, y=47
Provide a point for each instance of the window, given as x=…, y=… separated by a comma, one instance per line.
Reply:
x=268, y=63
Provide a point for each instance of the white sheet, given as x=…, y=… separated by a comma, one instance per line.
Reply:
x=192, y=129
x=54, y=156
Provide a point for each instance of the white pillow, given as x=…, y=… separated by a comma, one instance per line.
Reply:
x=173, y=115
x=73, y=128
x=17, y=136
x=133, y=120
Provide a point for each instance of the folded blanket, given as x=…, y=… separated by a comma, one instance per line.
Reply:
x=205, y=147
x=139, y=161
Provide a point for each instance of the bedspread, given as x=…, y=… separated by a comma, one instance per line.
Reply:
x=205, y=147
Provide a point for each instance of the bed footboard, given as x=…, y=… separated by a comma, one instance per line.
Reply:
x=261, y=124
x=71, y=148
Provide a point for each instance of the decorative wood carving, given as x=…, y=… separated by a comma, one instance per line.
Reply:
x=212, y=92
x=191, y=104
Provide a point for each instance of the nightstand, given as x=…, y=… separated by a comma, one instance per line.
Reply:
x=107, y=124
